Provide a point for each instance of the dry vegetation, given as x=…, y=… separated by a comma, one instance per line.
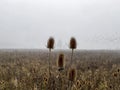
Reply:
x=29, y=70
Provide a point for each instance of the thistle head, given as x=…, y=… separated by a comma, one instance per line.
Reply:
x=50, y=43
x=61, y=61
x=72, y=74
x=73, y=43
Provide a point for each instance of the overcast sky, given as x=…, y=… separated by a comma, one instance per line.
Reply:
x=28, y=23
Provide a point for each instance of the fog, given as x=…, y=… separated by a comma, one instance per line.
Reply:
x=29, y=23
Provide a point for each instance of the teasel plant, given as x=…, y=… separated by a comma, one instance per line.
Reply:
x=73, y=45
x=50, y=46
x=61, y=64
x=72, y=74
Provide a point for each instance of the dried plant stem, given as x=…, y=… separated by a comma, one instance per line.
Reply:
x=72, y=57
x=60, y=81
x=70, y=85
x=49, y=62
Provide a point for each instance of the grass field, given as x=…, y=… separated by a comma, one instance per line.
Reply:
x=28, y=70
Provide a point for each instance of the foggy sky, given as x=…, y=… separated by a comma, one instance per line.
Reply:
x=29, y=23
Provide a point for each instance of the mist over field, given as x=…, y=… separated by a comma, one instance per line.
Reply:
x=29, y=23
x=59, y=44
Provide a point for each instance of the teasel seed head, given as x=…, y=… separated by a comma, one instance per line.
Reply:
x=50, y=43
x=73, y=43
x=72, y=74
x=61, y=60
x=110, y=86
x=118, y=70
x=115, y=74
x=78, y=83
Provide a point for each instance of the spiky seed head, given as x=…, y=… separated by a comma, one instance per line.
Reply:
x=50, y=43
x=45, y=79
x=110, y=86
x=61, y=60
x=72, y=74
x=77, y=82
x=73, y=43
x=118, y=70
x=115, y=74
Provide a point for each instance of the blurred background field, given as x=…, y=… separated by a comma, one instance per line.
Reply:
x=28, y=70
